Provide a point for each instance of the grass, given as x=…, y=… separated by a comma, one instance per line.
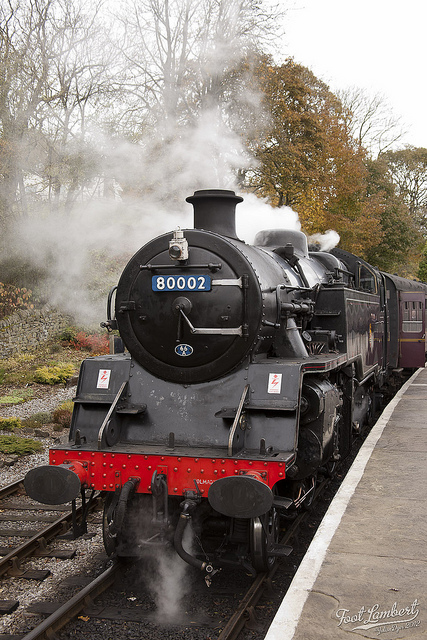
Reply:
x=18, y=381
x=54, y=373
x=16, y=396
x=20, y=369
x=37, y=420
x=62, y=415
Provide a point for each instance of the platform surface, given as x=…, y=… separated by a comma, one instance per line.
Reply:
x=365, y=573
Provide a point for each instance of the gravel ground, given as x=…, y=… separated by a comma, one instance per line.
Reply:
x=88, y=561
x=90, y=557
x=13, y=467
x=48, y=399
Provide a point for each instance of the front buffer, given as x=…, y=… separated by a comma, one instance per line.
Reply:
x=56, y=484
x=172, y=489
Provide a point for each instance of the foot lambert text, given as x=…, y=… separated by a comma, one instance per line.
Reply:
x=373, y=616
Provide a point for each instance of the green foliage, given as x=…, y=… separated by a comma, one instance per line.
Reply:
x=37, y=420
x=67, y=405
x=63, y=413
x=20, y=368
x=422, y=269
x=10, y=399
x=397, y=245
x=54, y=374
x=10, y=424
x=13, y=299
x=19, y=446
x=16, y=396
x=67, y=334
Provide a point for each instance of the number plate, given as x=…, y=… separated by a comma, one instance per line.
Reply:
x=181, y=283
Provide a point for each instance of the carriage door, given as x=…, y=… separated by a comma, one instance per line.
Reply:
x=412, y=329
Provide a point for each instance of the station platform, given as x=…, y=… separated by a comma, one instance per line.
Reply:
x=365, y=572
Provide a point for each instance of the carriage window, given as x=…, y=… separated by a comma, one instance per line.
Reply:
x=412, y=321
x=367, y=280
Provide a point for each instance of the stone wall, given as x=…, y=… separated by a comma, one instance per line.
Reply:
x=30, y=328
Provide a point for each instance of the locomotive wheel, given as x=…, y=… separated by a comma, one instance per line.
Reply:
x=119, y=538
x=264, y=531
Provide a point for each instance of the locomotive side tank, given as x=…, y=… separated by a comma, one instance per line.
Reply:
x=247, y=371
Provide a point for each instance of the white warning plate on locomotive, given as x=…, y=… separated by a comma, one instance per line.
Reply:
x=181, y=283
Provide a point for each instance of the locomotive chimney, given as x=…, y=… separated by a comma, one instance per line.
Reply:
x=215, y=210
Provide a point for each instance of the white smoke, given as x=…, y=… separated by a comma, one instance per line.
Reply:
x=83, y=255
x=170, y=586
x=67, y=247
x=326, y=241
x=84, y=251
x=255, y=214
x=167, y=578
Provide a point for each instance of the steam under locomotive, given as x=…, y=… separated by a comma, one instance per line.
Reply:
x=247, y=372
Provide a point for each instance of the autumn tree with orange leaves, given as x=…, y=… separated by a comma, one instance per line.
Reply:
x=308, y=160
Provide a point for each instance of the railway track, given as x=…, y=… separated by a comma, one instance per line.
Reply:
x=74, y=605
x=78, y=608
x=36, y=545
x=246, y=611
x=82, y=603
x=30, y=533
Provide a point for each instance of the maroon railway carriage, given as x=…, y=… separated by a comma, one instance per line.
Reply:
x=407, y=312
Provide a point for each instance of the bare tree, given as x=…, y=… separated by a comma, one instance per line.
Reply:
x=79, y=92
x=407, y=169
x=53, y=74
x=182, y=91
x=24, y=63
x=370, y=120
x=176, y=51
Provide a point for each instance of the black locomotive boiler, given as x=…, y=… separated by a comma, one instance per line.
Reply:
x=246, y=372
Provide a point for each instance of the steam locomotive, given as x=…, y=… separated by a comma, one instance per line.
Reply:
x=247, y=372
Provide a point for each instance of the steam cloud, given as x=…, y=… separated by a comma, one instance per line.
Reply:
x=166, y=577
x=151, y=181
x=64, y=246
x=170, y=587
x=325, y=241
x=254, y=214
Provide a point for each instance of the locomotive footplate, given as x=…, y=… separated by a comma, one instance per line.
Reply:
x=108, y=471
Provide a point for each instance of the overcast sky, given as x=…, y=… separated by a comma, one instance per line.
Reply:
x=378, y=45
